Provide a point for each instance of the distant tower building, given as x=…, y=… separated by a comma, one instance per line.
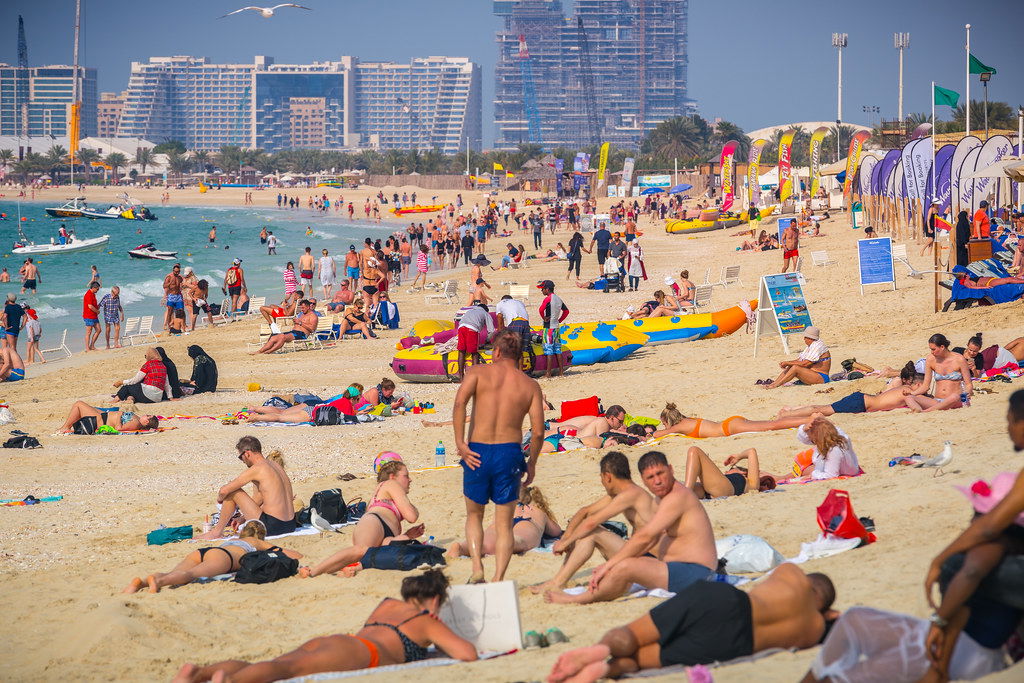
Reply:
x=36, y=101
x=638, y=56
x=108, y=113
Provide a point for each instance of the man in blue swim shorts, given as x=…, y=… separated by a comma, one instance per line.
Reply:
x=811, y=366
x=305, y=324
x=492, y=457
x=679, y=535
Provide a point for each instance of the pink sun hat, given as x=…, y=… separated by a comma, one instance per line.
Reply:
x=984, y=496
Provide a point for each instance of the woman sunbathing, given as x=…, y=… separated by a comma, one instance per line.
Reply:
x=676, y=423
x=305, y=412
x=395, y=633
x=951, y=375
x=203, y=562
x=706, y=480
x=86, y=419
x=972, y=281
x=667, y=305
x=356, y=320
x=381, y=524
x=859, y=402
x=994, y=356
x=533, y=522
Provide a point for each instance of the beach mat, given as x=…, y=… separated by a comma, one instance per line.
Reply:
x=679, y=671
x=437, y=660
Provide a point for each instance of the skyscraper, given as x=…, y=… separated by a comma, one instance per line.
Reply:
x=36, y=100
x=636, y=58
x=430, y=103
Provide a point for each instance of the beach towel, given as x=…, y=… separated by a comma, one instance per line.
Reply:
x=436, y=659
x=29, y=500
x=699, y=672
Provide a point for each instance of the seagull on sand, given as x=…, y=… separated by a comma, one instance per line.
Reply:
x=265, y=12
x=321, y=524
x=941, y=460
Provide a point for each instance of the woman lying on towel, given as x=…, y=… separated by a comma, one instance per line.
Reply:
x=676, y=423
x=994, y=356
x=381, y=524
x=972, y=281
x=706, y=480
x=533, y=522
x=306, y=412
x=86, y=419
x=204, y=562
x=397, y=632
x=859, y=402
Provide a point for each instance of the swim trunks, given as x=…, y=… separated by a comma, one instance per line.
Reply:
x=298, y=335
x=790, y=253
x=29, y=284
x=352, y=272
x=12, y=332
x=175, y=301
x=522, y=328
x=552, y=342
x=275, y=526
x=854, y=403
x=497, y=477
x=234, y=291
x=90, y=322
x=469, y=340
x=683, y=574
x=17, y=374
x=707, y=622
x=306, y=274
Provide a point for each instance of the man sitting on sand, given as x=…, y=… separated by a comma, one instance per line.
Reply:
x=710, y=622
x=272, y=500
x=591, y=430
x=811, y=366
x=305, y=324
x=587, y=530
x=12, y=367
x=679, y=536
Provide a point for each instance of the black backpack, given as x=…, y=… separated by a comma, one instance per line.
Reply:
x=329, y=504
x=22, y=441
x=403, y=556
x=328, y=416
x=265, y=566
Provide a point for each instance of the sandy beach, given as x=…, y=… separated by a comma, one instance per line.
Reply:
x=63, y=564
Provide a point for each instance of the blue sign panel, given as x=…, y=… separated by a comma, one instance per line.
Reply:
x=875, y=256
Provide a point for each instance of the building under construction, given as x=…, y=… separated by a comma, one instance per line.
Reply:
x=610, y=73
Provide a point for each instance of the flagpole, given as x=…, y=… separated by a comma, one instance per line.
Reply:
x=935, y=194
x=967, y=105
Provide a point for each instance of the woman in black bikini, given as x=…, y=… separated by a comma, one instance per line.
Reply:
x=707, y=481
x=86, y=419
x=397, y=632
x=381, y=524
x=533, y=522
x=205, y=562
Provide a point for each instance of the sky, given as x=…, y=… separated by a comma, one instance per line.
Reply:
x=753, y=62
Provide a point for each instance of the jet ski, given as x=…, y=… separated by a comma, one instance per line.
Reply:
x=151, y=252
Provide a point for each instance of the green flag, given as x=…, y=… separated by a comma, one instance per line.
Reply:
x=976, y=67
x=943, y=96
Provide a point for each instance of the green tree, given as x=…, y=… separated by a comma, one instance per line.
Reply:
x=85, y=158
x=56, y=159
x=115, y=161
x=676, y=138
x=6, y=158
x=144, y=158
x=178, y=164
x=230, y=158
x=201, y=159
x=726, y=131
x=168, y=146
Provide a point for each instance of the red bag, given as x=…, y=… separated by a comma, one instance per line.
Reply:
x=836, y=517
x=580, y=407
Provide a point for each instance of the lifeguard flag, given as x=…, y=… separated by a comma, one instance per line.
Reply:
x=942, y=224
x=976, y=67
x=498, y=167
x=943, y=96
x=508, y=174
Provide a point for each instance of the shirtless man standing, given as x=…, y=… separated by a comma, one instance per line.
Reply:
x=172, y=294
x=30, y=276
x=367, y=257
x=306, y=272
x=587, y=532
x=790, y=246
x=711, y=622
x=492, y=456
x=679, y=536
x=271, y=503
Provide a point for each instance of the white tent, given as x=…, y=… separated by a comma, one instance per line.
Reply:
x=996, y=170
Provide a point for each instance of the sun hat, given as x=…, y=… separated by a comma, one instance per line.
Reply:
x=669, y=280
x=812, y=332
x=984, y=496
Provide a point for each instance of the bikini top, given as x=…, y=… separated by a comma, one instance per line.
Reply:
x=954, y=376
x=244, y=545
x=413, y=650
x=387, y=504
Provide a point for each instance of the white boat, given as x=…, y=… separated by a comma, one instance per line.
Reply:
x=76, y=245
x=151, y=252
x=72, y=208
x=114, y=211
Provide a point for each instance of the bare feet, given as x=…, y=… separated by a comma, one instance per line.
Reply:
x=185, y=674
x=151, y=581
x=454, y=551
x=560, y=597
x=305, y=573
x=476, y=577
x=574, y=662
x=539, y=588
x=351, y=570
x=134, y=586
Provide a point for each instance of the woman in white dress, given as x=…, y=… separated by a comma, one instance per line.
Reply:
x=328, y=273
x=635, y=265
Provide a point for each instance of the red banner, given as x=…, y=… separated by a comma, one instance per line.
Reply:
x=853, y=159
x=728, y=181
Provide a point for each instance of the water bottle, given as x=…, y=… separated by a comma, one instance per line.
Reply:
x=439, y=455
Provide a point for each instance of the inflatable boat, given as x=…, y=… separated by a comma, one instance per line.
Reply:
x=683, y=328
x=423, y=365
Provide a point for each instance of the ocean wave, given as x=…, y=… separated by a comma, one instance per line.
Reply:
x=321, y=234
x=137, y=291
x=48, y=311
x=218, y=274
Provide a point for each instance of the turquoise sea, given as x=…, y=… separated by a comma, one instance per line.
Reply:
x=178, y=228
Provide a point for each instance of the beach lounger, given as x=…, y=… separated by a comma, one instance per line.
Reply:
x=62, y=347
x=821, y=259
x=255, y=304
x=130, y=327
x=964, y=297
x=520, y=292
x=449, y=292
x=701, y=296
x=730, y=275
x=145, y=331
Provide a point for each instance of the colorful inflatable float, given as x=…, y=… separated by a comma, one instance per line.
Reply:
x=710, y=220
x=433, y=208
x=683, y=328
x=424, y=365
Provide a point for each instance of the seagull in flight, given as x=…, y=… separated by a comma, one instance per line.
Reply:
x=265, y=12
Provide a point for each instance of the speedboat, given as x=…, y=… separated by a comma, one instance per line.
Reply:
x=25, y=247
x=72, y=208
x=151, y=252
x=113, y=212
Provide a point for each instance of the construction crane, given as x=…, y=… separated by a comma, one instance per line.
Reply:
x=592, y=132
x=530, y=112
x=642, y=71
x=21, y=84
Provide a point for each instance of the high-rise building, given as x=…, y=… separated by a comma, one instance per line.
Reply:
x=108, y=113
x=629, y=68
x=36, y=100
x=432, y=102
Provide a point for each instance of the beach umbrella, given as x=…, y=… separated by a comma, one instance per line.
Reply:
x=682, y=187
x=996, y=170
x=652, y=190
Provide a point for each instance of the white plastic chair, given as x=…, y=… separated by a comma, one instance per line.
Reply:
x=62, y=347
x=449, y=292
x=821, y=259
x=145, y=330
x=521, y=292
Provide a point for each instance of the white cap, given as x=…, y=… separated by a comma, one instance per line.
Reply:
x=669, y=280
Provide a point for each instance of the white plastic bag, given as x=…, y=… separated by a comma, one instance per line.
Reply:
x=6, y=416
x=746, y=554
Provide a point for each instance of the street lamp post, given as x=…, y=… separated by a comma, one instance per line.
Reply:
x=901, y=41
x=839, y=42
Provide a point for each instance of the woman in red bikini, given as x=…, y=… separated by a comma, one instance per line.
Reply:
x=698, y=428
x=397, y=632
x=381, y=524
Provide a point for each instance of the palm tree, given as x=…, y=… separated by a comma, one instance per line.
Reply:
x=33, y=162
x=6, y=159
x=726, y=131
x=115, y=160
x=915, y=119
x=202, y=159
x=56, y=157
x=85, y=157
x=178, y=163
x=143, y=157
x=675, y=138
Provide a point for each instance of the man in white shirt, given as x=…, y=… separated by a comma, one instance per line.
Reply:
x=474, y=321
x=512, y=314
x=811, y=366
